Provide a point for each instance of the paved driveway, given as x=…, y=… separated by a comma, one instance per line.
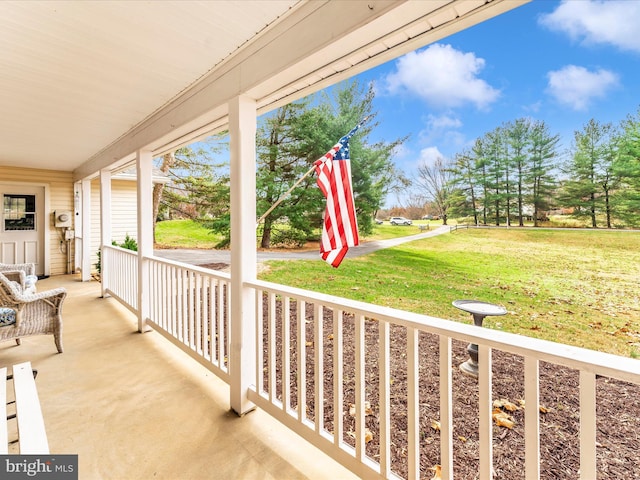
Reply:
x=204, y=257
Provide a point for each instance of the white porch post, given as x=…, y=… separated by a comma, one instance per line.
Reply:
x=145, y=232
x=86, y=230
x=105, y=223
x=242, y=134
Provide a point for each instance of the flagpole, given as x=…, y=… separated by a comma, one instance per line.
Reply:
x=285, y=195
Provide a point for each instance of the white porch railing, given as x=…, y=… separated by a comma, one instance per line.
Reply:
x=301, y=338
x=119, y=275
x=370, y=372
x=190, y=307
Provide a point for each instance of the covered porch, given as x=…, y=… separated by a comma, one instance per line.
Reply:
x=134, y=406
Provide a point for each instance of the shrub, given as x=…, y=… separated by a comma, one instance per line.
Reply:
x=289, y=238
x=128, y=243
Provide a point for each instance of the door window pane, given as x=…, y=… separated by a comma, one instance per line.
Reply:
x=19, y=212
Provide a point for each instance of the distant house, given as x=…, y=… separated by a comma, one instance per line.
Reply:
x=123, y=208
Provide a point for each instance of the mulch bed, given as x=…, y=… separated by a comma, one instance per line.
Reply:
x=617, y=412
x=215, y=266
x=618, y=405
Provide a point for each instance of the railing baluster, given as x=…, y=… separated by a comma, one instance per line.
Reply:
x=198, y=313
x=302, y=362
x=338, y=375
x=286, y=354
x=221, y=329
x=271, y=347
x=191, y=289
x=413, y=403
x=318, y=371
x=184, y=306
x=259, y=341
x=531, y=419
x=360, y=390
x=178, y=303
x=486, y=428
x=446, y=409
x=385, y=399
x=204, y=309
x=211, y=324
x=227, y=319
x=587, y=425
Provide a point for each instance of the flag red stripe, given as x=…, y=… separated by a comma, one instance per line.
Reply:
x=340, y=228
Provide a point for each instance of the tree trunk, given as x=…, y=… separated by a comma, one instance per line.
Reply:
x=266, y=233
x=607, y=207
x=167, y=162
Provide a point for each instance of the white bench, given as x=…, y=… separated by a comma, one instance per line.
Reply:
x=32, y=436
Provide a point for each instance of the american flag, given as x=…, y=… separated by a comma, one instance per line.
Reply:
x=340, y=227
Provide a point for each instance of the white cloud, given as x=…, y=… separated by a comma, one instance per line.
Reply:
x=577, y=87
x=442, y=129
x=443, y=77
x=598, y=22
x=429, y=155
x=443, y=122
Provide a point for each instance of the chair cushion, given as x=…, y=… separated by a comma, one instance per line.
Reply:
x=7, y=316
x=30, y=284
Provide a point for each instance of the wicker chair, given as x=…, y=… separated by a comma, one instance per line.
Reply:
x=35, y=313
x=29, y=270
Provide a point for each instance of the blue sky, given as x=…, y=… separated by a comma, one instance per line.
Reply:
x=560, y=62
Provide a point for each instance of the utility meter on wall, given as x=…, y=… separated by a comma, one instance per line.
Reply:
x=62, y=218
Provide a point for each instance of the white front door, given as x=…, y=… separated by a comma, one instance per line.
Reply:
x=22, y=225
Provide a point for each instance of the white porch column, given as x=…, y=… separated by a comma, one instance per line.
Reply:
x=105, y=222
x=86, y=230
x=144, y=166
x=242, y=134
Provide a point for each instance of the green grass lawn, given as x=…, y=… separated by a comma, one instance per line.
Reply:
x=579, y=287
x=574, y=286
x=184, y=234
x=386, y=230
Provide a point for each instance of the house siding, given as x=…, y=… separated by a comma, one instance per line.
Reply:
x=60, y=187
x=124, y=214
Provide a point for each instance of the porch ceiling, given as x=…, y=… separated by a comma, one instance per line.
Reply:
x=86, y=84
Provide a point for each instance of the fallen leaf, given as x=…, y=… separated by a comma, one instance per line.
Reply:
x=502, y=419
x=309, y=344
x=367, y=408
x=368, y=435
x=435, y=424
x=506, y=404
x=437, y=472
x=544, y=409
x=462, y=439
x=330, y=336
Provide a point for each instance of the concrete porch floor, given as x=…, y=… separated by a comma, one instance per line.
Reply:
x=132, y=406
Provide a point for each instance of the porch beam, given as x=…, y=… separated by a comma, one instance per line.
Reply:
x=105, y=223
x=242, y=148
x=144, y=164
x=315, y=45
